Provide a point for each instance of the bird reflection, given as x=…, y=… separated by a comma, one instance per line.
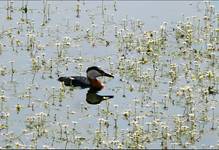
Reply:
x=93, y=98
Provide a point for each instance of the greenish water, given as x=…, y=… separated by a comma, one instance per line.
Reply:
x=165, y=90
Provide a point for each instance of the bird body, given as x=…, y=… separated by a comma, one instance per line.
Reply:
x=75, y=81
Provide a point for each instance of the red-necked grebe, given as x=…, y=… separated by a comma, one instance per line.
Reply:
x=86, y=82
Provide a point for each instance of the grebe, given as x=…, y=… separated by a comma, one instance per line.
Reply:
x=86, y=82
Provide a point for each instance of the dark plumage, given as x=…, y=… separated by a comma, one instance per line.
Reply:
x=94, y=68
x=75, y=81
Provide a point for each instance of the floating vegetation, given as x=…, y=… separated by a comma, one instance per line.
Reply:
x=165, y=91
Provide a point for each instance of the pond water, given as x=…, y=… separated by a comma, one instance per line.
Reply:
x=163, y=55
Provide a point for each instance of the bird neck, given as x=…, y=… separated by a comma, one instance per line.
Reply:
x=96, y=84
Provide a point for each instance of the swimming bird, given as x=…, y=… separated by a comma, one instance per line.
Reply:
x=86, y=82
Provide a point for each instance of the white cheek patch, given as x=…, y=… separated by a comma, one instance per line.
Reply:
x=72, y=78
x=93, y=74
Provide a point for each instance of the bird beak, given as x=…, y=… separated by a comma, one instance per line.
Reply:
x=107, y=75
